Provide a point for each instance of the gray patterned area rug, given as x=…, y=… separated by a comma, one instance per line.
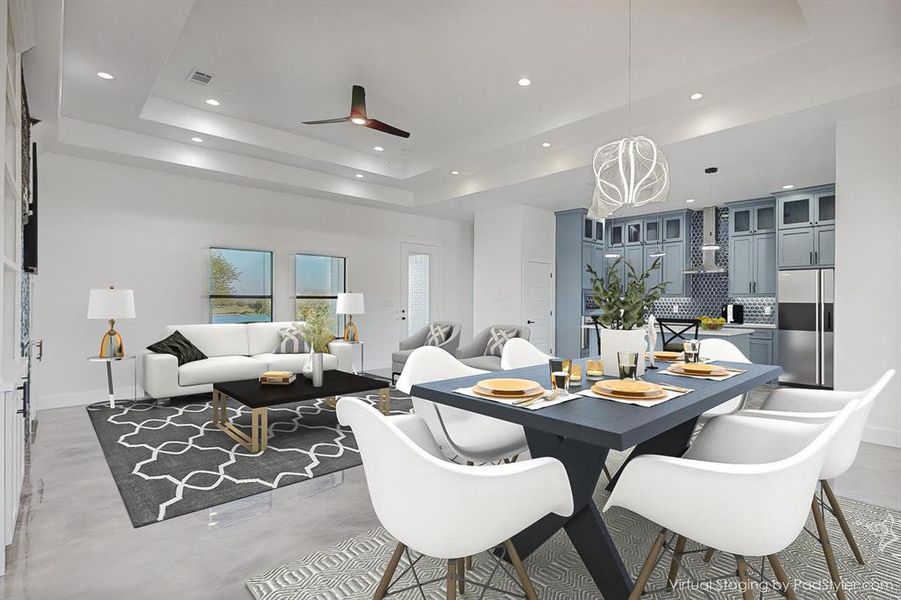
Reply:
x=171, y=460
x=351, y=570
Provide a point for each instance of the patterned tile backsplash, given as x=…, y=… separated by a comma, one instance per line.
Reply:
x=709, y=291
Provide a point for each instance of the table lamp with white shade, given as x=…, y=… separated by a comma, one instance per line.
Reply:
x=111, y=304
x=350, y=304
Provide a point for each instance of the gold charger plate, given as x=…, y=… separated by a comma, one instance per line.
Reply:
x=667, y=355
x=528, y=396
x=523, y=394
x=656, y=396
x=715, y=372
x=699, y=368
x=626, y=387
x=508, y=385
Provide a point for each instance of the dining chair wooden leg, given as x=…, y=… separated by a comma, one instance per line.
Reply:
x=382, y=589
x=451, y=579
x=787, y=589
x=468, y=563
x=648, y=566
x=843, y=523
x=677, y=561
x=520, y=571
x=746, y=592
x=461, y=575
x=827, y=549
x=708, y=556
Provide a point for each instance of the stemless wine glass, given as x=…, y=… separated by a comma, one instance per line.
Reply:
x=628, y=365
x=560, y=380
x=575, y=374
x=692, y=350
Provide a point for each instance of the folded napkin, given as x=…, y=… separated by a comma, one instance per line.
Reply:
x=670, y=394
x=541, y=403
x=710, y=377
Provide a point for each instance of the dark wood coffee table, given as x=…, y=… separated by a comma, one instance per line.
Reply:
x=258, y=397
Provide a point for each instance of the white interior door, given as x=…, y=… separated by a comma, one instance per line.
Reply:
x=419, y=268
x=537, y=303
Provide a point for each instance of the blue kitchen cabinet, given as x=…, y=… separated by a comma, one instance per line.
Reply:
x=796, y=211
x=741, y=265
x=674, y=225
x=752, y=217
x=824, y=208
x=806, y=236
x=587, y=259
x=762, y=347
x=598, y=261
x=752, y=264
x=635, y=232
x=764, y=281
x=796, y=247
x=634, y=257
x=824, y=247
x=673, y=267
x=652, y=232
x=615, y=233
x=656, y=275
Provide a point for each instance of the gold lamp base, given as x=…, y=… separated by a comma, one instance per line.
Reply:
x=111, y=345
x=350, y=330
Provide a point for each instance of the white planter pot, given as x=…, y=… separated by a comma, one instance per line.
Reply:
x=313, y=368
x=620, y=340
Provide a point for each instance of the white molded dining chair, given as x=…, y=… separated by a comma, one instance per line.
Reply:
x=459, y=433
x=815, y=407
x=738, y=466
x=717, y=349
x=442, y=509
x=519, y=353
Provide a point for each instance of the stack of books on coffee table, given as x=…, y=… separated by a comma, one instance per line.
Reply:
x=277, y=378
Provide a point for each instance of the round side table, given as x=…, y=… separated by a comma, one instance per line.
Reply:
x=109, y=360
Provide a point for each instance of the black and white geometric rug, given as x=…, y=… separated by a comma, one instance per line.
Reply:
x=171, y=460
x=351, y=570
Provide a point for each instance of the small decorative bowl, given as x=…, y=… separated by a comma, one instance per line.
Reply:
x=712, y=323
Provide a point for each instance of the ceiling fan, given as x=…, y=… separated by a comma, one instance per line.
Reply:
x=358, y=116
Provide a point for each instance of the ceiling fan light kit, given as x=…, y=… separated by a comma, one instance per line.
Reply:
x=358, y=116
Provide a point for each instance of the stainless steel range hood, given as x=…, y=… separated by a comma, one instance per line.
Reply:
x=709, y=246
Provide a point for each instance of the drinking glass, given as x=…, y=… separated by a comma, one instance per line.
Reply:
x=560, y=380
x=594, y=368
x=628, y=365
x=559, y=364
x=575, y=374
x=692, y=350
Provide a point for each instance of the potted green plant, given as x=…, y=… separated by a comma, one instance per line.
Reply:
x=317, y=330
x=623, y=306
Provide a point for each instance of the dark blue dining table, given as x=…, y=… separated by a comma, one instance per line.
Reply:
x=581, y=432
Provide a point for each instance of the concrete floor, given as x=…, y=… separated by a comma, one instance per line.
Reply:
x=75, y=540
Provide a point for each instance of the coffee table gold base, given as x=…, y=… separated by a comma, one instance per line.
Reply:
x=384, y=401
x=257, y=441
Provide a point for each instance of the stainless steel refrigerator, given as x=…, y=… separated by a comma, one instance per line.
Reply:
x=806, y=324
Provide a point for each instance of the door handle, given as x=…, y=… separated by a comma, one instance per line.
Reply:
x=811, y=257
x=528, y=322
x=816, y=257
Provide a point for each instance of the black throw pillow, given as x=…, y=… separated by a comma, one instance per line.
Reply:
x=178, y=346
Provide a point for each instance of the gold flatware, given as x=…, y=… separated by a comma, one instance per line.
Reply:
x=676, y=388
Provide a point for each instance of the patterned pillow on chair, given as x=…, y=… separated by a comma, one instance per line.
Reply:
x=292, y=342
x=437, y=334
x=497, y=338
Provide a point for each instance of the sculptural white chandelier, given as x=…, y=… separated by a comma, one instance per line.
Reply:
x=628, y=172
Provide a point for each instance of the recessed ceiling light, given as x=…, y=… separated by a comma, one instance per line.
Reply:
x=545, y=144
x=690, y=200
x=212, y=102
x=196, y=139
x=358, y=120
x=104, y=75
x=788, y=187
x=378, y=149
x=525, y=82
x=455, y=172
x=359, y=176
x=696, y=96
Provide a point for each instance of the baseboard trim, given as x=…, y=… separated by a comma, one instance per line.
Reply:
x=882, y=436
x=82, y=398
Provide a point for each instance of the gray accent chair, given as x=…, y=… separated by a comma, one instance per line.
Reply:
x=473, y=353
x=417, y=340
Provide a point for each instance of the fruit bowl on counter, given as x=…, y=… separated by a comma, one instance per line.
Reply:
x=712, y=323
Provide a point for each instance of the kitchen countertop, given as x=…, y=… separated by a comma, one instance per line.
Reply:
x=724, y=332
x=753, y=325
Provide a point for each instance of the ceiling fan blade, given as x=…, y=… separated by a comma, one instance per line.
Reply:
x=375, y=124
x=358, y=102
x=324, y=121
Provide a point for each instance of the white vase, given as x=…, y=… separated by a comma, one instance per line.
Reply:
x=622, y=340
x=313, y=368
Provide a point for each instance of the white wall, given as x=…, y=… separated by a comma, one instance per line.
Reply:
x=867, y=272
x=106, y=224
x=503, y=239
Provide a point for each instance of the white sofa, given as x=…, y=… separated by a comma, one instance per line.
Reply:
x=233, y=352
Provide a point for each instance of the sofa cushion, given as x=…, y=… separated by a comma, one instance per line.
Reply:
x=437, y=334
x=292, y=342
x=294, y=362
x=178, y=346
x=497, y=337
x=217, y=339
x=265, y=337
x=401, y=356
x=486, y=363
x=220, y=368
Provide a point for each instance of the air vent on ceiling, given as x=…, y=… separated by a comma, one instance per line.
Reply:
x=199, y=77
